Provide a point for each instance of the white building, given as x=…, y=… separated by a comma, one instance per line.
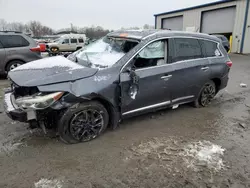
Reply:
x=227, y=17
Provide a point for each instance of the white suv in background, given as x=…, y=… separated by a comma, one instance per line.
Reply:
x=67, y=43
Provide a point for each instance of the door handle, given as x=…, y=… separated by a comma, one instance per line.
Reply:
x=204, y=68
x=166, y=77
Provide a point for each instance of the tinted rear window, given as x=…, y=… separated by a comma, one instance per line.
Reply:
x=80, y=40
x=1, y=46
x=186, y=49
x=210, y=49
x=11, y=41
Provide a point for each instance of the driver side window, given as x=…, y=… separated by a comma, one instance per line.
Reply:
x=65, y=41
x=152, y=55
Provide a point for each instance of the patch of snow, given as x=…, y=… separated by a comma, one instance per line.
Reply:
x=8, y=103
x=9, y=147
x=101, y=78
x=243, y=85
x=46, y=183
x=51, y=62
x=204, y=153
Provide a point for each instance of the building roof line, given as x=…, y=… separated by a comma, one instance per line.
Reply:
x=195, y=7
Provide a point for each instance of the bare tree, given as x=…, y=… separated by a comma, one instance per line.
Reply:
x=3, y=25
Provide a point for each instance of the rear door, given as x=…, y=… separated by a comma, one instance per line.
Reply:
x=191, y=69
x=16, y=47
x=217, y=58
x=73, y=44
x=145, y=87
x=2, y=57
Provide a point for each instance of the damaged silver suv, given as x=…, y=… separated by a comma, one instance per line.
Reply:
x=123, y=74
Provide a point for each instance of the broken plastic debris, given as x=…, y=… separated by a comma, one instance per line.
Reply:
x=175, y=107
x=243, y=85
x=243, y=125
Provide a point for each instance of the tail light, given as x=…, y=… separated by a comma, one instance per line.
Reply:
x=35, y=49
x=229, y=64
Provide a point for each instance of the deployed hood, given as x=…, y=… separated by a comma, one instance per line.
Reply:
x=48, y=71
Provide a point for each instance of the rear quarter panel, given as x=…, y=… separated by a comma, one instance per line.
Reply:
x=218, y=66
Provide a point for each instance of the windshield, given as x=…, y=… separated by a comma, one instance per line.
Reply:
x=104, y=52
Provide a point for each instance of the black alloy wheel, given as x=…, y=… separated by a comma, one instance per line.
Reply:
x=83, y=122
x=206, y=95
x=86, y=125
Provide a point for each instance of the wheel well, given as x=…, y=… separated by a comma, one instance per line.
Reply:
x=78, y=48
x=217, y=83
x=113, y=119
x=7, y=64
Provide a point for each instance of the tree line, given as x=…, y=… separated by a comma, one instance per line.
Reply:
x=37, y=29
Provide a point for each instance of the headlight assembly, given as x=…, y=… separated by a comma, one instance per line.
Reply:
x=38, y=101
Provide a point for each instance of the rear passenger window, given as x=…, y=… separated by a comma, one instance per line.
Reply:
x=73, y=40
x=1, y=46
x=186, y=49
x=80, y=40
x=11, y=41
x=210, y=49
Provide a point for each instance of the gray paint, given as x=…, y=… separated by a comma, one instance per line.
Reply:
x=218, y=21
x=174, y=23
x=112, y=84
x=23, y=54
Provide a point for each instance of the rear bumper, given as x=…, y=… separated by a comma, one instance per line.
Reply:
x=224, y=82
x=10, y=109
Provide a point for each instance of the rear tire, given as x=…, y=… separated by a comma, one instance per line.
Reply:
x=78, y=48
x=83, y=122
x=13, y=64
x=206, y=95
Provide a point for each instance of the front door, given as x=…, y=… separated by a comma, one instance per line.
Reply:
x=65, y=46
x=145, y=79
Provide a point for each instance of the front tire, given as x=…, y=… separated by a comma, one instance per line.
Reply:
x=206, y=95
x=83, y=122
x=54, y=50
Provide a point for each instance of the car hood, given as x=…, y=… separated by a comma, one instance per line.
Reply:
x=49, y=71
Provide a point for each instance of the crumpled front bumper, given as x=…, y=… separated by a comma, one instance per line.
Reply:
x=13, y=112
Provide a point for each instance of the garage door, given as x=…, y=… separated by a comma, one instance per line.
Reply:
x=174, y=23
x=218, y=21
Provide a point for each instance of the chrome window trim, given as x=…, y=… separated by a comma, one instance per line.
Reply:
x=182, y=98
x=147, y=107
x=164, y=38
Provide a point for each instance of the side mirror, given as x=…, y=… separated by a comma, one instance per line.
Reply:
x=63, y=42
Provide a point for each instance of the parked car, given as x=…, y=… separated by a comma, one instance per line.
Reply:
x=67, y=43
x=225, y=42
x=16, y=49
x=121, y=75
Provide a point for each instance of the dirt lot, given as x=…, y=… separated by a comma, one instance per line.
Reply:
x=186, y=147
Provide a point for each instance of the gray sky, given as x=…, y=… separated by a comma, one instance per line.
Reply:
x=110, y=14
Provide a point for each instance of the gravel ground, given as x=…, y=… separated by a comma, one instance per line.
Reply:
x=186, y=147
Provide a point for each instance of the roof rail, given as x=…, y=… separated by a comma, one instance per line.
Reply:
x=11, y=31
